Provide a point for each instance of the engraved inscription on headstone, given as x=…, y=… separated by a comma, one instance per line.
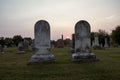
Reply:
x=82, y=37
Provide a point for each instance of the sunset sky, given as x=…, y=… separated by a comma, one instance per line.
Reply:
x=17, y=17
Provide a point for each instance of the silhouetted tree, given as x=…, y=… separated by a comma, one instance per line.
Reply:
x=116, y=35
x=29, y=39
x=102, y=34
x=53, y=42
x=2, y=42
x=67, y=42
x=92, y=36
x=8, y=42
x=17, y=39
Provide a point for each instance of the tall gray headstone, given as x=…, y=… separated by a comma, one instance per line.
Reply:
x=83, y=43
x=42, y=43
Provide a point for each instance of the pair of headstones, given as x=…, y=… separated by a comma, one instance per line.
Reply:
x=96, y=45
x=42, y=43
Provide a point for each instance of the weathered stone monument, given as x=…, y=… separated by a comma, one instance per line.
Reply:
x=42, y=43
x=21, y=47
x=83, y=43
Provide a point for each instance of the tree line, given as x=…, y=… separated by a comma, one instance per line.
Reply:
x=11, y=42
x=112, y=39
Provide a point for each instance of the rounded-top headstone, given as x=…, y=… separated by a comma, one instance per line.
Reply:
x=42, y=43
x=42, y=34
x=82, y=37
x=83, y=28
x=83, y=42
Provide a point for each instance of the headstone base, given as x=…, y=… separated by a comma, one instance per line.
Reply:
x=39, y=58
x=84, y=57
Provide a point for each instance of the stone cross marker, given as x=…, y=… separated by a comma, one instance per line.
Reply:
x=42, y=43
x=83, y=43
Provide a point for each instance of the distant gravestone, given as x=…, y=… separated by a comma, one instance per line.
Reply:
x=5, y=46
x=42, y=43
x=97, y=46
x=33, y=45
x=73, y=43
x=1, y=49
x=83, y=43
x=26, y=44
x=21, y=47
x=106, y=43
x=96, y=43
x=60, y=43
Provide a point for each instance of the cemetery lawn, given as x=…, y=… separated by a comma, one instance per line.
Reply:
x=14, y=66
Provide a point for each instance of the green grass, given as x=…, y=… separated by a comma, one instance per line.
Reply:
x=14, y=66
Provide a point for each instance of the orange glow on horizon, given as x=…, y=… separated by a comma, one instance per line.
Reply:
x=67, y=37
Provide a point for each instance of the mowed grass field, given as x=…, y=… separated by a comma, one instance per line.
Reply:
x=14, y=66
